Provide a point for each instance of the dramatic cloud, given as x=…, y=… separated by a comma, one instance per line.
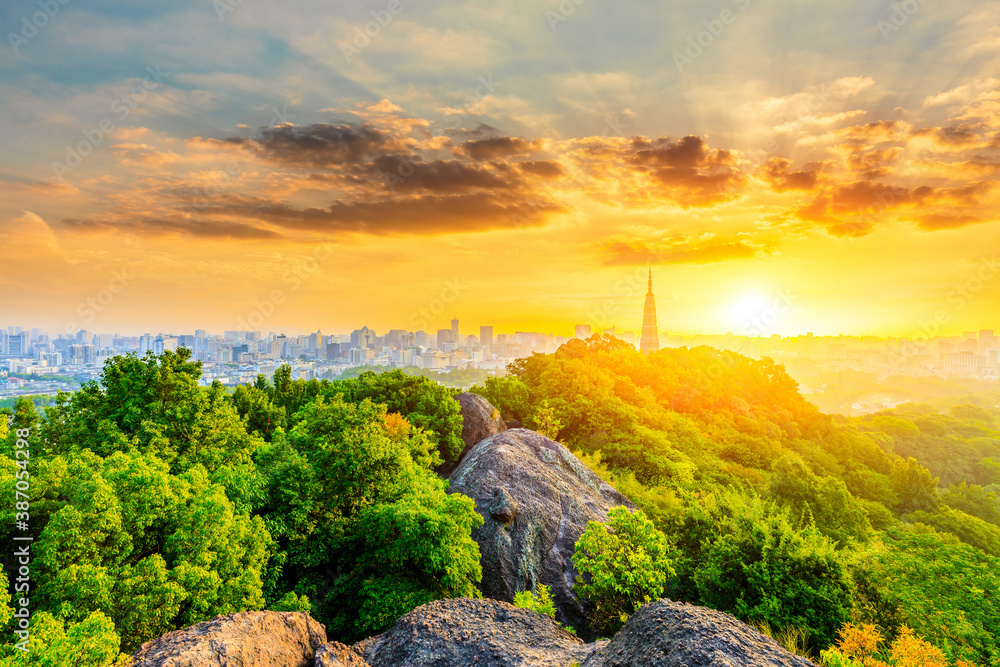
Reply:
x=318, y=145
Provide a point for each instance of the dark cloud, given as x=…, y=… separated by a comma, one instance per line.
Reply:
x=482, y=131
x=542, y=168
x=404, y=174
x=777, y=173
x=495, y=147
x=318, y=145
x=689, y=152
x=954, y=136
x=873, y=163
x=692, y=173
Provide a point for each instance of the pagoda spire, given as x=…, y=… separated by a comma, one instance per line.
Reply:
x=649, y=341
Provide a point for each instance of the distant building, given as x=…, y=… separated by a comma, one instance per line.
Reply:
x=454, y=329
x=17, y=344
x=163, y=344
x=486, y=337
x=444, y=336
x=649, y=340
x=582, y=331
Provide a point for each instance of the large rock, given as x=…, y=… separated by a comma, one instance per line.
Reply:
x=336, y=654
x=480, y=420
x=482, y=633
x=244, y=639
x=672, y=634
x=536, y=499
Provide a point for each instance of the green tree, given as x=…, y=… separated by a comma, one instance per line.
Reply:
x=915, y=487
x=620, y=565
x=837, y=514
x=756, y=564
x=364, y=531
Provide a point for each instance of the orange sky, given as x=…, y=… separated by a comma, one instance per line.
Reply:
x=857, y=188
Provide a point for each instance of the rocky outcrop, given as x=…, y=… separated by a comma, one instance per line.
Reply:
x=463, y=633
x=673, y=634
x=480, y=420
x=245, y=639
x=536, y=499
x=336, y=654
x=484, y=633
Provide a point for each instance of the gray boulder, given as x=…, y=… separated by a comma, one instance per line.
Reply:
x=536, y=499
x=244, y=639
x=336, y=654
x=480, y=420
x=485, y=633
x=673, y=634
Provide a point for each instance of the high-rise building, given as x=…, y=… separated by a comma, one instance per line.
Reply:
x=395, y=338
x=17, y=344
x=649, y=340
x=582, y=331
x=454, y=329
x=987, y=340
x=444, y=336
x=363, y=337
x=486, y=337
x=164, y=344
x=145, y=344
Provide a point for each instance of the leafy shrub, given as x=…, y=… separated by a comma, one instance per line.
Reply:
x=621, y=565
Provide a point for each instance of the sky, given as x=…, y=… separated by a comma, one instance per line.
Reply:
x=781, y=166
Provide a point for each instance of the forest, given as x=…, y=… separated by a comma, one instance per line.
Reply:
x=156, y=503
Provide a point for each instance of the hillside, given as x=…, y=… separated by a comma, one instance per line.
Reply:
x=157, y=504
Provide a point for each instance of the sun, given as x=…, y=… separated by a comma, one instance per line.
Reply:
x=745, y=308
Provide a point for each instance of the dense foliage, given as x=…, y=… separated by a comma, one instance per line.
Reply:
x=784, y=516
x=157, y=503
x=620, y=566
